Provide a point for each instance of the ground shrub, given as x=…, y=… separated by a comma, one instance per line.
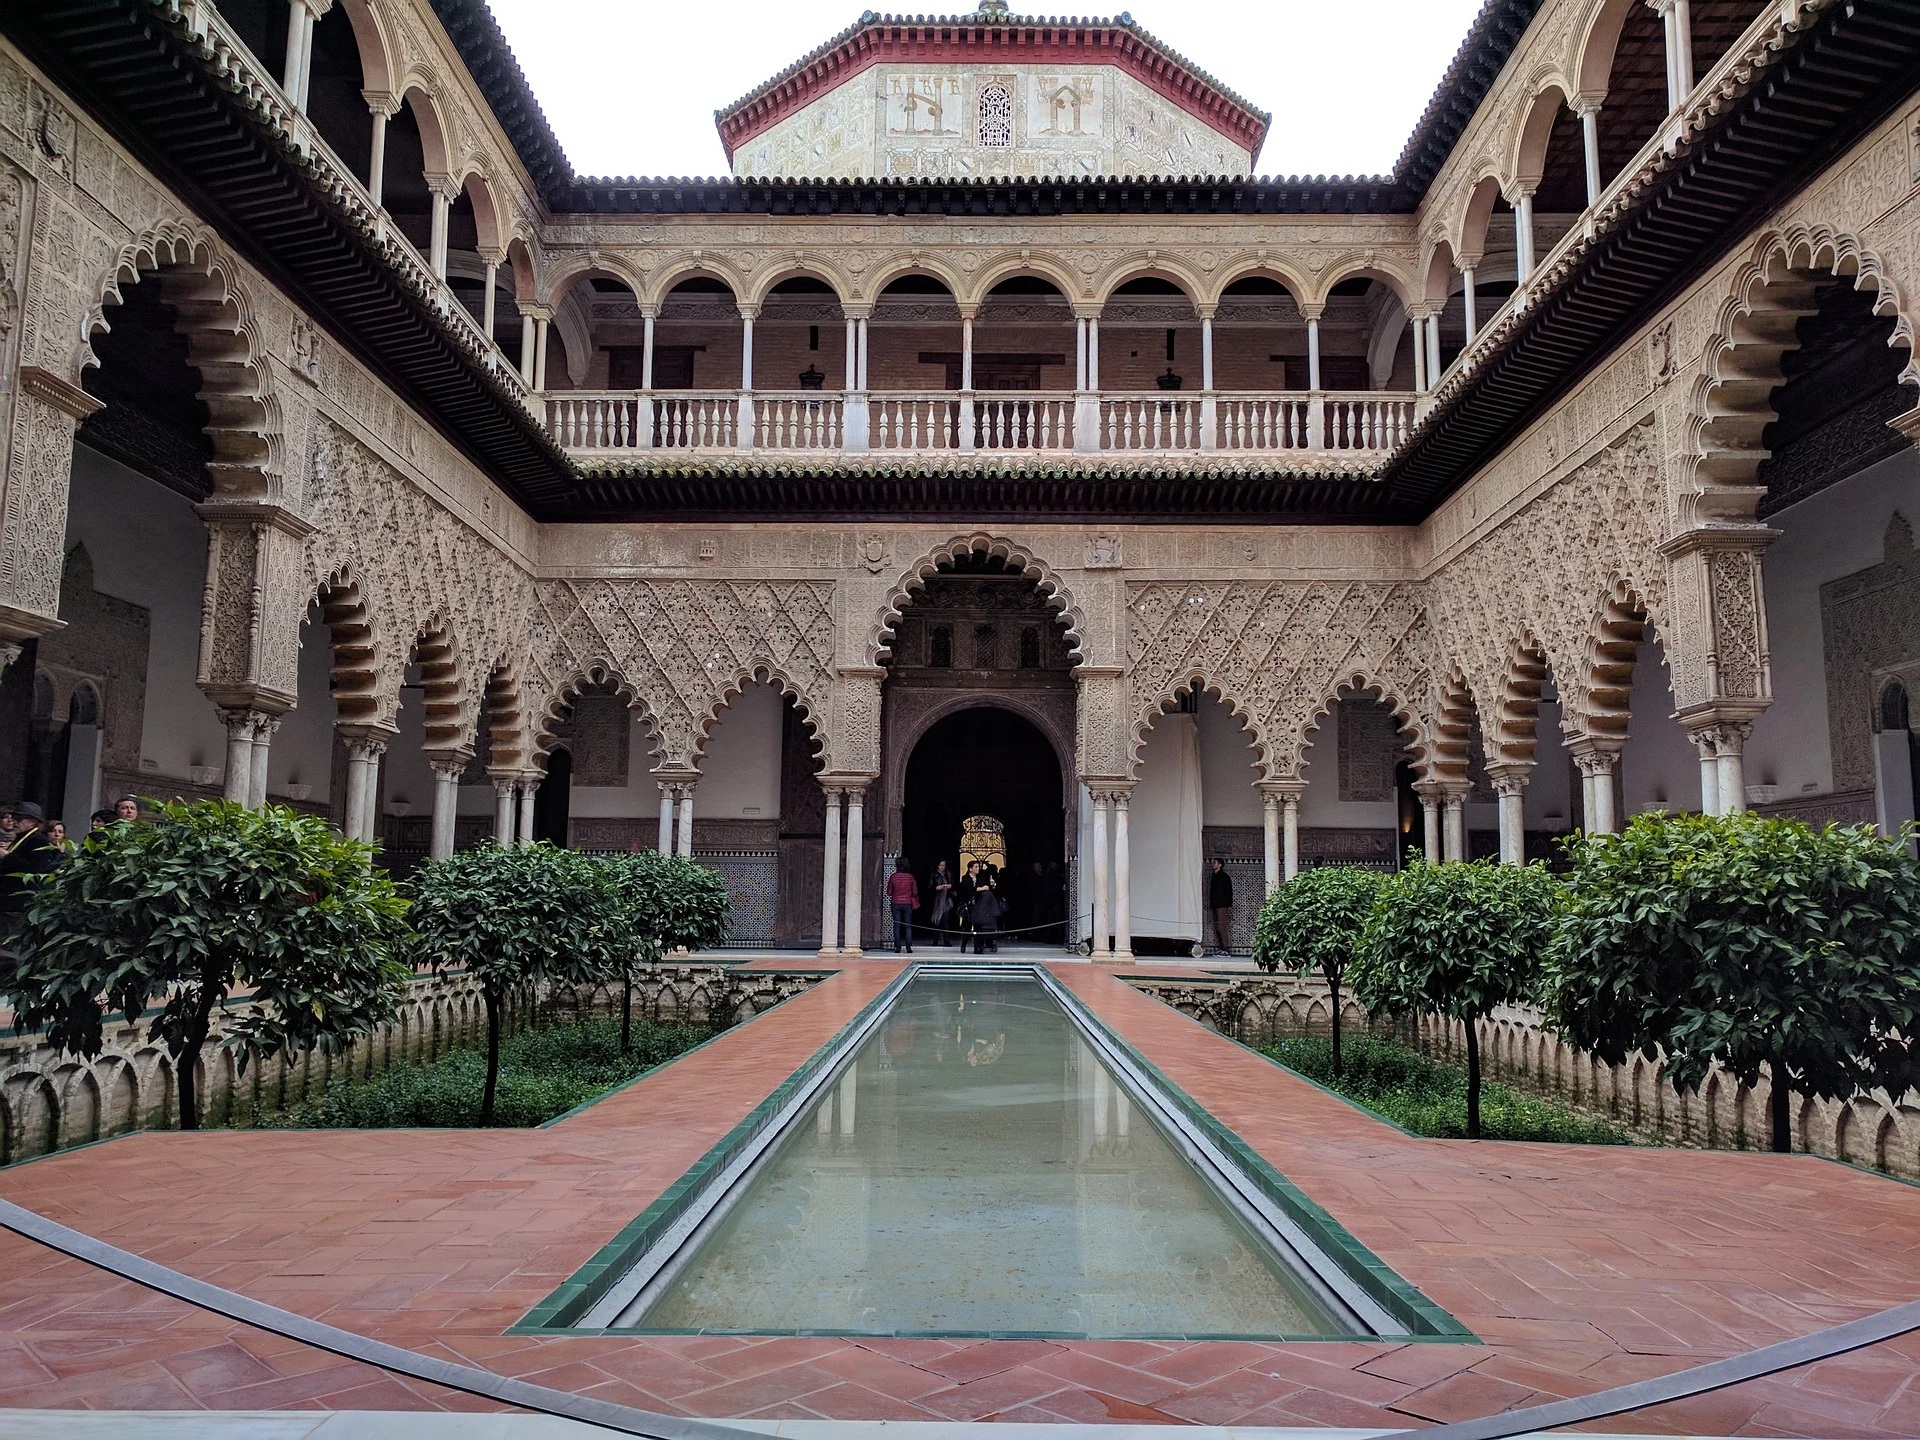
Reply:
x=544, y=1072
x=1429, y=1097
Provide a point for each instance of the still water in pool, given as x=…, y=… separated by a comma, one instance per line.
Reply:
x=977, y=1169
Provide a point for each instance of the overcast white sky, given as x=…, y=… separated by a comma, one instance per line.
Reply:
x=631, y=85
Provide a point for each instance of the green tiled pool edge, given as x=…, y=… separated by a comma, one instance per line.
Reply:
x=1425, y=1321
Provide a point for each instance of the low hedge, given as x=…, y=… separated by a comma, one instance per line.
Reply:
x=544, y=1072
x=1430, y=1098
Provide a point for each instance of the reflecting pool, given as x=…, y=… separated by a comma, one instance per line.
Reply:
x=977, y=1168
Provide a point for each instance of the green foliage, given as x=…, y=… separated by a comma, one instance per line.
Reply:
x=671, y=902
x=1455, y=939
x=1314, y=923
x=518, y=917
x=544, y=1073
x=1430, y=1098
x=209, y=898
x=1743, y=940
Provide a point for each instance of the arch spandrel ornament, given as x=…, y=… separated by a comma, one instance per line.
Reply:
x=1275, y=651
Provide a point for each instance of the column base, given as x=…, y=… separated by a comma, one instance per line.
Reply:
x=828, y=953
x=1120, y=957
x=851, y=954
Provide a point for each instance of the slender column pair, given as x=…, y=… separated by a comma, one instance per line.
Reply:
x=1112, y=907
x=1679, y=27
x=1510, y=786
x=857, y=425
x=364, y=753
x=513, y=798
x=1282, y=816
x=1443, y=807
x=249, y=739
x=676, y=824
x=833, y=884
x=297, y=74
x=447, y=770
x=1723, y=775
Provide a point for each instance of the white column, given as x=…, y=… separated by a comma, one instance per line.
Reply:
x=1101, y=912
x=293, y=74
x=1523, y=233
x=856, y=430
x=1313, y=352
x=1466, y=294
x=1674, y=92
x=685, y=845
x=503, y=810
x=966, y=352
x=540, y=352
x=363, y=786
x=488, y=307
x=1455, y=814
x=1270, y=854
x=1680, y=39
x=830, y=886
x=526, y=349
x=1206, y=350
x=1093, y=352
x=853, y=355
x=446, y=803
x=1430, y=828
x=1080, y=353
x=1709, y=773
x=442, y=191
x=1122, y=883
x=239, y=780
x=377, y=157
x=1433, y=350
x=856, y=837
x=1512, y=791
x=1209, y=403
x=529, y=787
x=1596, y=783
x=746, y=351
x=1732, y=767
x=665, y=845
x=264, y=726
x=1419, y=354
x=1589, y=113
x=860, y=329
x=646, y=351
x=1290, y=836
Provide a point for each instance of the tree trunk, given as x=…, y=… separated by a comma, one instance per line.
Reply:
x=1780, y=1106
x=493, y=1055
x=1333, y=987
x=626, y=1011
x=186, y=1064
x=1473, y=1081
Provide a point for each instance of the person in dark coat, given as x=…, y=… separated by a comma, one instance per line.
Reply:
x=987, y=909
x=31, y=854
x=940, y=884
x=964, y=894
x=903, y=898
x=1220, y=902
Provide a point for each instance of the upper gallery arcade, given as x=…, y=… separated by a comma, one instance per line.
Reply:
x=361, y=455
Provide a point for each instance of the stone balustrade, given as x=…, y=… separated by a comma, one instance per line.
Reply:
x=1876, y=1130
x=50, y=1100
x=604, y=423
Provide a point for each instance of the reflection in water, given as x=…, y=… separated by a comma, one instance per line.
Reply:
x=977, y=1169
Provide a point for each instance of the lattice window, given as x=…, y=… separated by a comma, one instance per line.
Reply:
x=940, y=648
x=996, y=117
x=986, y=648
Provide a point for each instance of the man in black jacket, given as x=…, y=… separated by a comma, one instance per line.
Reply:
x=1220, y=902
x=31, y=853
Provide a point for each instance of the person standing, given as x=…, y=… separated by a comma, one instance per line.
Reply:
x=31, y=854
x=1220, y=902
x=940, y=883
x=903, y=896
x=126, y=808
x=964, y=894
x=987, y=909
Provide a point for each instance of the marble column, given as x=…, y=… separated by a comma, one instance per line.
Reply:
x=1270, y=854
x=1709, y=771
x=503, y=810
x=685, y=843
x=856, y=839
x=1728, y=753
x=1433, y=351
x=1454, y=815
x=1589, y=113
x=443, y=191
x=383, y=108
x=446, y=805
x=830, y=886
x=1467, y=296
x=1597, y=767
x=540, y=324
x=665, y=845
x=1430, y=828
x=239, y=781
x=529, y=787
x=363, y=785
x=1122, y=881
x=1419, y=353
x=1523, y=232
x=293, y=73
x=1290, y=836
x=263, y=732
x=1510, y=785
x=1101, y=808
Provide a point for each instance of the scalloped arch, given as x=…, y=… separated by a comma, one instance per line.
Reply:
x=762, y=673
x=599, y=672
x=1419, y=740
x=1516, y=737
x=352, y=637
x=915, y=575
x=1195, y=678
x=217, y=317
x=1730, y=406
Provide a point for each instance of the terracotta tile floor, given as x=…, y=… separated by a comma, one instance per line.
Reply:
x=1578, y=1268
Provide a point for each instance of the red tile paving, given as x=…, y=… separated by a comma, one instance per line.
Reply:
x=1579, y=1268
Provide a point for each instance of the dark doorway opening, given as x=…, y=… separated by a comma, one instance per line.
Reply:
x=985, y=761
x=553, y=801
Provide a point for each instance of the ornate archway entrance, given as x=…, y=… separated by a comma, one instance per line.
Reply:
x=973, y=770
